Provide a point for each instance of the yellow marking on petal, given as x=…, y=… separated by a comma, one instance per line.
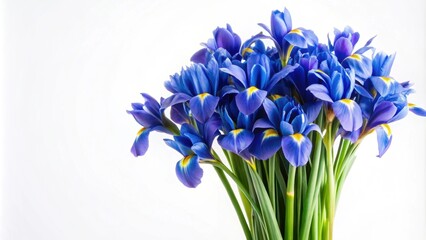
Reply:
x=347, y=101
x=297, y=137
x=185, y=161
x=246, y=50
x=276, y=97
x=202, y=96
x=251, y=90
x=237, y=131
x=297, y=31
x=387, y=129
x=356, y=57
x=386, y=79
x=140, y=132
x=270, y=133
x=320, y=71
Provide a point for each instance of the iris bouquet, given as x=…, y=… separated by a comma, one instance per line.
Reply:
x=288, y=113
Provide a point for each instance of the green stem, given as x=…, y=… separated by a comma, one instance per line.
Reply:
x=234, y=201
x=331, y=189
x=289, y=213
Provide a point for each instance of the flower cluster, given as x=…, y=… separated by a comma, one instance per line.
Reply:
x=257, y=100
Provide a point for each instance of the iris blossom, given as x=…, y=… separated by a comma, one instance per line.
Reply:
x=286, y=126
x=223, y=38
x=150, y=116
x=197, y=85
x=194, y=146
x=254, y=83
x=335, y=87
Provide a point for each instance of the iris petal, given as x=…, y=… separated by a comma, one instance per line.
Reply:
x=189, y=172
x=384, y=138
x=417, y=110
x=203, y=106
x=296, y=38
x=383, y=113
x=236, y=141
x=349, y=114
x=250, y=100
x=320, y=92
x=296, y=149
x=141, y=143
x=202, y=151
x=265, y=144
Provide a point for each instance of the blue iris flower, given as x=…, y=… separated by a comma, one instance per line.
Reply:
x=286, y=126
x=335, y=87
x=224, y=38
x=195, y=145
x=197, y=85
x=254, y=83
x=150, y=116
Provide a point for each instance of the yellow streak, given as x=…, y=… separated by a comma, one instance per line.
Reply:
x=270, y=133
x=356, y=57
x=298, y=137
x=411, y=105
x=347, y=101
x=387, y=129
x=140, y=132
x=185, y=161
x=203, y=96
x=252, y=89
x=237, y=131
x=297, y=31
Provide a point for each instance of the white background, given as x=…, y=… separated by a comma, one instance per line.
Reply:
x=70, y=69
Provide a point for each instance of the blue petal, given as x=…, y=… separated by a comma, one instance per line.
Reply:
x=296, y=38
x=203, y=106
x=265, y=144
x=175, y=99
x=262, y=123
x=141, y=144
x=280, y=75
x=349, y=114
x=312, y=111
x=343, y=48
x=320, y=92
x=202, y=150
x=258, y=76
x=311, y=127
x=286, y=128
x=200, y=56
x=384, y=138
x=360, y=64
x=236, y=141
x=383, y=112
x=385, y=85
x=250, y=100
x=236, y=72
x=417, y=110
x=179, y=114
x=144, y=118
x=272, y=112
x=296, y=149
x=189, y=172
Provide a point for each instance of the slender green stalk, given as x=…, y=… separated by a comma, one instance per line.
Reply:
x=234, y=201
x=289, y=207
x=271, y=181
x=331, y=188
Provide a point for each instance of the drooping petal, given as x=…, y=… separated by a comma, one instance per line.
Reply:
x=384, y=138
x=296, y=38
x=265, y=144
x=236, y=72
x=203, y=106
x=236, y=141
x=360, y=64
x=189, y=172
x=280, y=75
x=320, y=92
x=296, y=149
x=349, y=114
x=141, y=144
x=250, y=100
x=272, y=112
x=417, y=110
x=311, y=127
x=175, y=99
